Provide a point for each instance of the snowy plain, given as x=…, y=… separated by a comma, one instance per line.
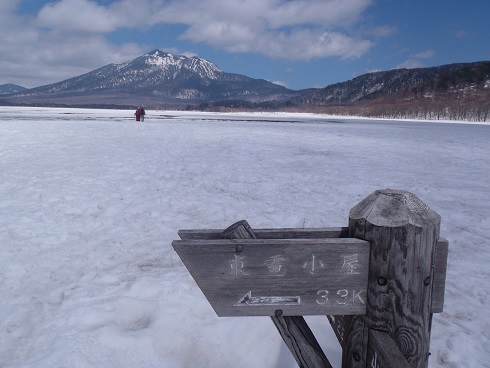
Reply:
x=90, y=202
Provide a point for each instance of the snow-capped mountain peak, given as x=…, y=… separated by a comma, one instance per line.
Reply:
x=164, y=60
x=159, y=78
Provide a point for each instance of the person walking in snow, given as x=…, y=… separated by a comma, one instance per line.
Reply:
x=138, y=114
x=142, y=113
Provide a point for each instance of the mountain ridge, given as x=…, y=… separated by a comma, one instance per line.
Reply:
x=9, y=88
x=372, y=86
x=459, y=91
x=161, y=80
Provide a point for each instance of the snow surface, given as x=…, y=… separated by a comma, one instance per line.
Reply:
x=90, y=202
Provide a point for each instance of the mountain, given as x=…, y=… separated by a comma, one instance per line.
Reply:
x=157, y=79
x=372, y=86
x=162, y=80
x=7, y=89
x=454, y=92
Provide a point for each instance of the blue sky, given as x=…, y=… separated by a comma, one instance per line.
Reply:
x=296, y=43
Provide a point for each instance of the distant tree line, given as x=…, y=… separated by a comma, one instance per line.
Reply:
x=425, y=109
x=420, y=105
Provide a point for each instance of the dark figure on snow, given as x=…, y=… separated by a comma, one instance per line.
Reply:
x=142, y=113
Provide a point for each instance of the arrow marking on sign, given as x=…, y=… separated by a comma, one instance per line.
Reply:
x=250, y=301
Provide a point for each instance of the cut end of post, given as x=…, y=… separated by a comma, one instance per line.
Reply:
x=394, y=208
x=239, y=230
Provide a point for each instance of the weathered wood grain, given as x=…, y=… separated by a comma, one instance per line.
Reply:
x=250, y=277
x=334, y=232
x=438, y=290
x=281, y=233
x=407, y=275
x=337, y=323
x=239, y=230
x=439, y=285
x=293, y=329
x=383, y=352
x=301, y=342
x=403, y=233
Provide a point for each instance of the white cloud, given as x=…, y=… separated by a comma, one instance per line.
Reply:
x=281, y=83
x=294, y=30
x=271, y=13
x=33, y=56
x=75, y=15
x=461, y=33
x=415, y=61
x=41, y=49
x=383, y=31
x=296, y=44
x=425, y=54
x=70, y=37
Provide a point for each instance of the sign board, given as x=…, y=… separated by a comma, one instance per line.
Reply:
x=290, y=277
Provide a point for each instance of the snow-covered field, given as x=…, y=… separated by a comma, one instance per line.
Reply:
x=90, y=202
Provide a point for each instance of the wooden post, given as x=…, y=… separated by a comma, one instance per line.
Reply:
x=403, y=233
x=293, y=329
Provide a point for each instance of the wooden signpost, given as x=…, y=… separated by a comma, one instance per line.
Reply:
x=378, y=280
x=257, y=277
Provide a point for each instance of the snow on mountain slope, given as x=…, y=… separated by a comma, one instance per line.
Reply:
x=158, y=75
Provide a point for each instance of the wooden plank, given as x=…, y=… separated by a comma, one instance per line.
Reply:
x=257, y=277
x=334, y=232
x=439, y=285
x=383, y=352
x=280, y=233
x=293, y=329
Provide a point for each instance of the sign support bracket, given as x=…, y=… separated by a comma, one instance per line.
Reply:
x=293, y=329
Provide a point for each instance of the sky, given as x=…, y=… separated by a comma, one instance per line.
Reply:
x=296, y=43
